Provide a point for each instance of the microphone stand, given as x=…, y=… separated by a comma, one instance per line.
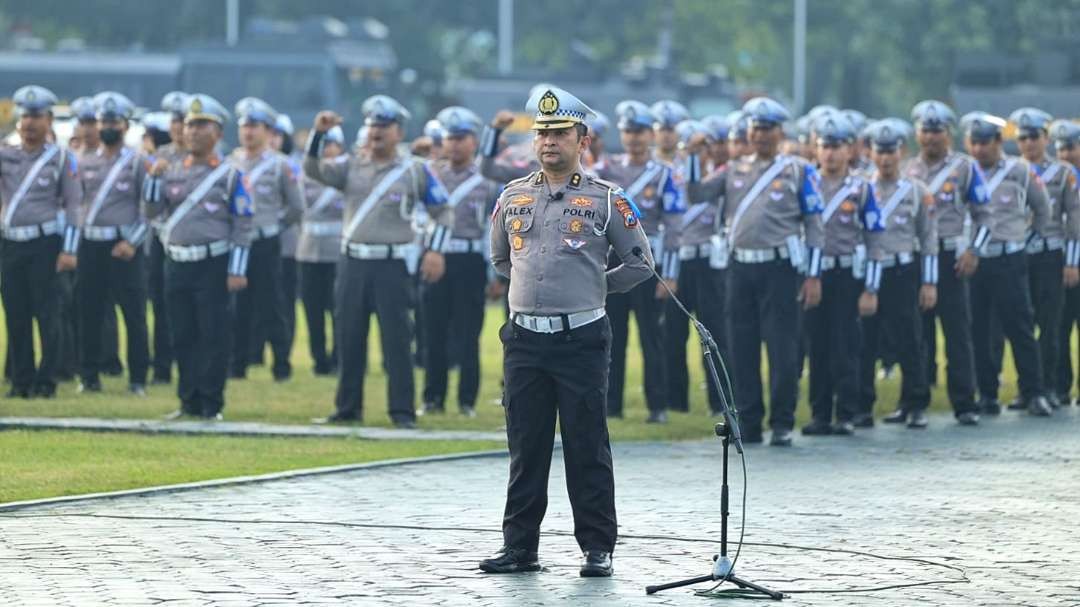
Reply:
x=723, y=567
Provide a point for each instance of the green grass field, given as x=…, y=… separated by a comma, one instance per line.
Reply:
x=58, y=463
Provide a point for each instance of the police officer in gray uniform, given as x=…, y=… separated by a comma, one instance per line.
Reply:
x=457, y=300
x=850, y=216
x=40, y=192
x=648, y=182
x=274, y=187
x=772, y=212
x=897, y=283
x=381, y=248
x=282, y=141
x=1066, y=137
x=112, y=266
x=175, y=103
x=556, y=344
x=960, y=198
x=207, y=234
x=318, y=252
x=1054, y=253
x=1001, y=287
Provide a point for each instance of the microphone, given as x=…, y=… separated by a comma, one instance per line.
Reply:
x=556, y=196
x=708, y=346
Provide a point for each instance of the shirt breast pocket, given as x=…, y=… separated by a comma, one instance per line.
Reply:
x=519, y=230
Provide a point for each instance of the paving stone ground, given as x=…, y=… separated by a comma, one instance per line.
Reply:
x=990, y=513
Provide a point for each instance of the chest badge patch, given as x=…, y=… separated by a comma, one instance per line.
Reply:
x=574, y=243
x=576, y=226
x=581, y=202
x=517, y=242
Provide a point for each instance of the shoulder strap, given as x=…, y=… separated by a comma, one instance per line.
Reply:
x=28, y=181
x=838, y=199
x=1051, y=172
x=755, y=191
x=376, y=194
x=463, y=190
x=643, y=180
x=943, y=174
x=254, y=174
x=324, y=199
x=1000, y=176
x=194, y=198
x=107, y=186
x=894, y=201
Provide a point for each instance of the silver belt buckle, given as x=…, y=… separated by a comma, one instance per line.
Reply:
x=543, y=324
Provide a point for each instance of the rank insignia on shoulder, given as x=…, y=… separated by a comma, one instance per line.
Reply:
x=517, y=242
x=575, y=180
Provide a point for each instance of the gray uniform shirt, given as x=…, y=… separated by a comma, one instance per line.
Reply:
x=1011, y=195
x=657, y=197
x=963, y=191
x=390, y=221
x=555, y=251
x=120, y=207
x=789, y=205
x=847, y=201
x=216, y=216
x=318, y=243
x=56, y=188
x=1060, y=181
x=469, y=217
x=908, y=217
x=275, y=191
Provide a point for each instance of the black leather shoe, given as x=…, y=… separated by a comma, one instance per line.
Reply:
x=989, y=406
x=511, y=560
x=467, y=411
x=968, y=418
x=1038, y=407
x=596, y=563
x=864, y=420
x=18, y=393
x=900, y=416
x=405, y=424
x=338, y=418
x=431, y=409
x=817, y=428
x=780, y=438
x=45, y=391
x=844, y=429
x=90, y=385
x=1055, y=402
x=918, y=420
x=657, y=417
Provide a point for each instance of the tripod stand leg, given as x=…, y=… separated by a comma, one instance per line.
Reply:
x=741, y=583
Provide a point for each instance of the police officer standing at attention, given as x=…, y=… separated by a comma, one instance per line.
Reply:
x=893, y=294
x=111, y=264
x=207, y=236
x=382, y=191
x=1066, y=137
x=457, y=300
x=851, y=214
x=1053, y=254
x=175, y=103
x=771, y=203
x=1000, y=288
x=649, y=184
x=318, y=252
x=41, y=193
x=86, y=126
x=957, y=186
x=556, y=343
x=667, y=114
x=274, y=188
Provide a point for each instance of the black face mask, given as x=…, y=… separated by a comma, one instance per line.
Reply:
x=110, y=136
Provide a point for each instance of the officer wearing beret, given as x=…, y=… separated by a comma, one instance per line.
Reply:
x=649, y=183
x=112, y=266
x=550, y=233
x=206, y=232
x=40, y=194
x=318, y=253
x=273, y=183
x=1065, y=135
x=175, y=105
x=850, y=216
x=772, y=214
x=956, y=183
x=457, y=300
x=1053, y=254
x=1000, y=288
x=382, y=194
x=897, y=284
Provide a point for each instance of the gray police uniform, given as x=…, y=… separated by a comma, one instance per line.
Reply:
x=41, y=193
x=651, y=187
x=960, y=200
x=318, y=251
x=112, y=185
x=458, y=299
x=552, y=240
x=895, y=273
x=1000, y=288
x=273, y=184
x=772, y=212
x=207, y=232
x=379, y=242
